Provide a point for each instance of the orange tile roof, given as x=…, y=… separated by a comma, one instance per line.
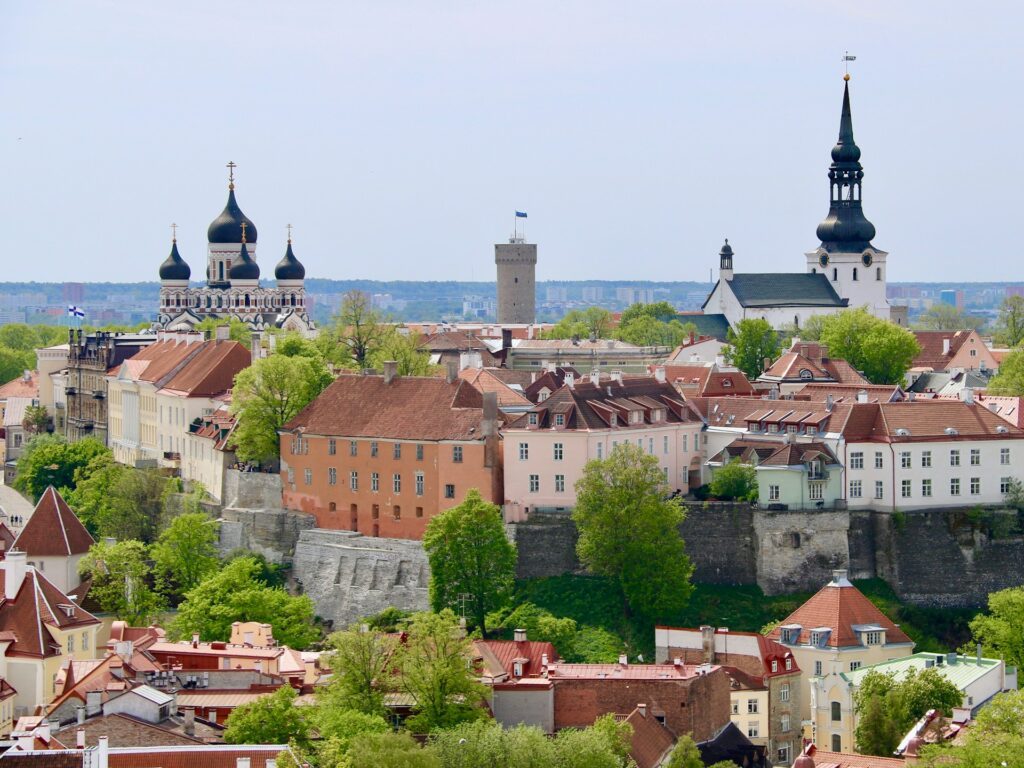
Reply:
x=929, y=420
x=825, y=759
x=651, y=741
x=53, y=530
x=840, y=606
x=199, y=756
x=20, y=387
x=35, y=608
x=505, y=652
x=486, y=381
x=931, y=343
x=211, y=370
x=559, y=670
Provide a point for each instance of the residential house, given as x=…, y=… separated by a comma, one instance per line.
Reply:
x=206, y=453
x=383, y=455
x=809, y=362
x=515, y=672
x=713, y=379
x=953, y=351
x=25, y=386
x=765, y=681
x=547, y=448
x=978, y=679
x=54, y=541
x=49, y=362
x=452, y=345
x=947, y=384
x=544, y=384
x=837, y=629
x=511, y=400
x=824, y=392
x=583, y=354
x=40, y=627
x=698, y=349
x=651, y=743
x=812, y=757
x=178, y=755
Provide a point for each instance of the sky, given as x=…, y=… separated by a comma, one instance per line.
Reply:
x=400, y=137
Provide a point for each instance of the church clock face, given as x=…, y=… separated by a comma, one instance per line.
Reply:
x=823, y=259
x=866, y=258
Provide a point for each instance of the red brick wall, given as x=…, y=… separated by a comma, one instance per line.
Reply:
x=698, y=706
x=750, y=664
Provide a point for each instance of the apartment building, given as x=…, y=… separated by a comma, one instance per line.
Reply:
x=382, y=455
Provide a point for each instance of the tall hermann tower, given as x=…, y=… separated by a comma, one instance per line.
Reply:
x=517, y=292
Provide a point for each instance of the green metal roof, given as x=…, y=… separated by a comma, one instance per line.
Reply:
x=966, y=671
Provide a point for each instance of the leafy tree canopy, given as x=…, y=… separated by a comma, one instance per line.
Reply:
x=540, y=625
x=118, y=501
x=685, y=754
x=883, y=351
x=405, y=349
x=1001, y=630
x=238, y=330
x=1009, y=330
x=13, y=363
x=362, y=662
x=120, y=581
x=52, y=460
x=582, y=324
x=749, y=344
x=273, y=719
x=1010, y=379
x=735, y=480
x=946, y=317
x=470, y=554
x=186, y=552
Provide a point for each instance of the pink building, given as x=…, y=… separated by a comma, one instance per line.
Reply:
x=546, y=449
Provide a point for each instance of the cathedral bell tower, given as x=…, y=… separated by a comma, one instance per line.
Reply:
x=846, y=256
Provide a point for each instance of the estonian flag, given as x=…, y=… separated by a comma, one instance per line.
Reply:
x=520, y=214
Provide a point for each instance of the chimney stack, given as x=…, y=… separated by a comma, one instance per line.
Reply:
x=190, y=721
x=506, y=339
x=642, y=709
x=595, y=377
x=766, y=363
x=15, y=567
x=829, y=402
x=102, y=753
x=80, y=715
x=862, y=396
x=968, y=395
x=222, y=332
x=707, y=643
x=945, y=346
x=80, y=738
x=390, y=371
x=569, y=379
x=451, y=371
x=519, y=635
x=623, y=660
x=659, y=374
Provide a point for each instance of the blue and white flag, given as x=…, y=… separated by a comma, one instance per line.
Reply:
x=74, y=311
x=520, y=214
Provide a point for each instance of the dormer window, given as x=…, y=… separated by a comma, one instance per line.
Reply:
x=613, y=420
x=790, y=635
x=789, y=663
x=775, y=665
x=533, y=419
x=773, y=428
x=806, y=374
x=819, y=637
x=872, y=638
x=559, y=419
x=517, y=669
x=812, y=430
x=726, y=383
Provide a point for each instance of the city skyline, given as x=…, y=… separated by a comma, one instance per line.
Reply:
x=400, y=141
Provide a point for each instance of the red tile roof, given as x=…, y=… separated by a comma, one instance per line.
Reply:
x=824, y=759
x=53, y=530
x=707, y=381
x=840, y=606
x=410, y=407
x=503, y=654
x=624, y=671
x=930, y=420
x=651, y=741
x=931, y=343
x=38, y=606
x=485, y=380
x=199, y=756
x=210, y=370
x=21, y=387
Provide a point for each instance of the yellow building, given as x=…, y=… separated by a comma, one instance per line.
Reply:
x=837, y=630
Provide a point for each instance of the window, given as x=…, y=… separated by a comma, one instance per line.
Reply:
x=374, y=482
x=533, y=419
x=854, y=666
x=600, y=450
x=686, y=441
x=1004, y=485
x=954, y=486
x=857, y=460
x=396, y=483
x=664, y=445
x=534, y=483
x=396, y=451
x=817, y=669
x=837, y=740
x=784, y=750
x=85, y=641
x=373, y=448
x=905, y=459
x=856, y=489
x=449, y=493
x=419, y=452
x=789, y=665
x=784, y=723
x=309, y=476
x=775, y=665
x=650, y=445
x=419, y=485
x=71, y=643
x=353, y=480
x=773, y=493
x=816, y=491
x=332, y=447
x=559, y=419
x=735, y=707
x=353, y=448
x=872, y=638
x=879, y=489
x=905, y=489
x=975, y=457
x=291, y=475
x=784, y=693
x=878, y=460
x=559, y=483
x=1004, y=456
x=954, y=458
x=855, y=274
x=926, y=487
x=558, y=451
x=419, y=510
x=752, y=729
x=396, y=512
x=975, y=486
x=773, y=428
x=524, y=451
x=837, y=713
x=457, y=454
x=332, y=476
x=751, y=706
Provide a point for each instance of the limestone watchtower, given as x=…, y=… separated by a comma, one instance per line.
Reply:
x=517, y=293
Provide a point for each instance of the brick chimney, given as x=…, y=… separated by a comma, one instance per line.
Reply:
x=451, y=374
x=390, y=371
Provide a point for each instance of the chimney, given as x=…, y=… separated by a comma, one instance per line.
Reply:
x=569, y=379
x=642, y=709
x=862, y=396
x=519, y=635
x=945, y=346
x=222, y=332
x=80, y=738
x=544, y=660
x=803, y=351
x=838, y=576
x=451, y=371
x=26, y=375
x=766, y=363
x=829, y=402
x=623, y=661
x=693, y=338
x=595, y=377
x=390, y=371
x=593, y=337
x=720, y=361
x=470, y=360
x=80, y=715
x=617, y=376
x=93, y=702
x=773, y=393
x=195, y=639
x=506, y=339
x=102, y=753
x=15, y=567
x=659, y=374
x=707, y=643
x=823, y=353
x=978, y=651
x=968, y=395
x=190, y=721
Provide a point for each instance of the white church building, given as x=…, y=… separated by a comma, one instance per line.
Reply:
x=844, y=271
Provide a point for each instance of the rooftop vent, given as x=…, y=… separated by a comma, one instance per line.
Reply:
x=1002, y=429
x=902, y=432
x=952, y=431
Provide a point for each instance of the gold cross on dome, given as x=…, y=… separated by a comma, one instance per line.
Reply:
x=244, y=225
x=231, y=171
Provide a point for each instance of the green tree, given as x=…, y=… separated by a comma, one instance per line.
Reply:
x=273, y=719
x=883, y=351
x=1002, y=716
x=120, y=581
x=390, y=750
x=485, y=744
x=356, y=332
x=582, y=324
x=1001, y=630
x=433, y=670
x=888, y=706
x=118, y=501
x=1010, y=379
x=946, y=317
x=750, y=344
x=647, y=331
x=685, y=754
x=996, y=738
x=19, y=337
x=294, y=344
x=540, y=625
x=659, y=310
x=13, y=363
x=629, y=530
x=235, y=593
x=238, y=330
x=361, y=662
x=605, y=744
x=267, y=395
x=1009, y=330
x=470, y=554
x=338, y=728
x=52, y=460
x=36, y=420
x=735, y=480
x=186, y=552
x=405, y=349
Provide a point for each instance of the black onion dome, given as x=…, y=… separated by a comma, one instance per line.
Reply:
x=726, y=249
x=227, y=228
x=289, y=268
x=174, y=267
x=244, y=268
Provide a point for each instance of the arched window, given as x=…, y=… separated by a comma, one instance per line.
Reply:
x=878, y=273
x=835, y=274
x=837, y=743
x=796, y=321
x=837, y=715
x=855, y=273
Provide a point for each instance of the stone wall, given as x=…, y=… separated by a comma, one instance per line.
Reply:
x=797, y=551
x=720, y=542
x=350, y=576
x=272, y=533
x=252, y=490
x=546, y=546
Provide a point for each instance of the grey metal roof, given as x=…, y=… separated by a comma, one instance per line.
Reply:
x=785, y=290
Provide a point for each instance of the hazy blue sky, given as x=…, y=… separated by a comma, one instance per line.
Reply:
x=399, y=137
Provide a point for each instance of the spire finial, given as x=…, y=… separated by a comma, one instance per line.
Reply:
x=244, y=225
x=289, y=234
x=174, y=233
x=231, y=174
x=847, y=58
